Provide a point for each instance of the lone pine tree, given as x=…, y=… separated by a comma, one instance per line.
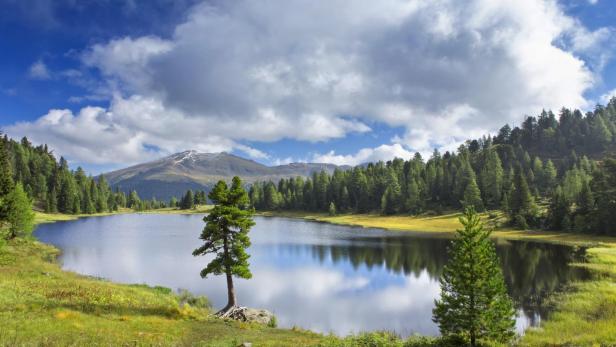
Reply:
x=474, y=303
x=226, y=236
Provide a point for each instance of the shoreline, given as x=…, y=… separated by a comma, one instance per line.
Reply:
x=443, y=225
x=567, y=324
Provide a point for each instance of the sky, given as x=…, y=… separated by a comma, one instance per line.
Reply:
x=111, y=83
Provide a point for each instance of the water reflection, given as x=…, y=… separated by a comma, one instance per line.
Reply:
x=314, y=275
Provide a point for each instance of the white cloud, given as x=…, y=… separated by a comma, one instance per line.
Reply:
x=127, y=60
x=39, y=71
x=245, y=71
x=605, y=98
x=252, y=152
x=365, y=155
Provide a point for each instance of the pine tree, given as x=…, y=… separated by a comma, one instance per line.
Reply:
x=522, y=203
x=413, y=201
x=6, y=174
x=474, y=303
x=472, y=196
x=19, y=212
x=558, y=210
x=586, y=200
x=332, y=209
x=549, y=175
x=6, y=180
x=173, y=202
x=391, y=199
x=226, y=236
x=492, y=179
x=188, y=201
x=134, y=201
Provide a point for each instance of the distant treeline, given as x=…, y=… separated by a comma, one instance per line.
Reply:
x=564, y=190
x=53, y=187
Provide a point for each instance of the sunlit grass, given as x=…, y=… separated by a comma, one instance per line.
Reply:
x=43, y=217
x=586, y=315
x=199, y=209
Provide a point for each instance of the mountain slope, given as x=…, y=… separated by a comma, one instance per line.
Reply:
x=173, y=175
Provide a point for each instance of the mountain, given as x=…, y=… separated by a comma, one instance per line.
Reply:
x=175, y=174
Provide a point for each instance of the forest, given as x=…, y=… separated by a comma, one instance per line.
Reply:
x=54, y=187
x=552, y=173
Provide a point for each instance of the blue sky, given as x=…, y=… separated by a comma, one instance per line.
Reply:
x=111, y=83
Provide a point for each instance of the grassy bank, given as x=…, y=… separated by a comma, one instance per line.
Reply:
x=42, y=217
x=585, y=315
x=445, y=224
x=40, y=304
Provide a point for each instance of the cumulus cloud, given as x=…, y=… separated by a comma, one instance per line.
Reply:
x=605, y=98
x=364, y=155
x=443, y=70
x=39, y=71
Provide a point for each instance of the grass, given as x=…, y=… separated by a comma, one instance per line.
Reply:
x=43, y=217
x=445, y=224
x=586, y=315
x=199, y=209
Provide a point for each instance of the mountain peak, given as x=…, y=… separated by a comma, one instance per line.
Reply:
x=191, y=169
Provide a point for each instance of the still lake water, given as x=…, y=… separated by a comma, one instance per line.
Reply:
x=318, y=276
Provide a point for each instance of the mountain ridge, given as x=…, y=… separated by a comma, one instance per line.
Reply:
x=174, y=174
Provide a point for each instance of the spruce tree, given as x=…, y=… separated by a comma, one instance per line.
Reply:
x=6, y=180
x=549, y=175
x=586, y=200
x=474, y=303
x=19, y=212
x=472, y=196
x=188, y=201
x=6, y=174
x=134, y=201
x=522, y=203
x=226, y=236
x=492, y=179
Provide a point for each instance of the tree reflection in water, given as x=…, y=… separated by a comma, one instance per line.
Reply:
x=532, y=270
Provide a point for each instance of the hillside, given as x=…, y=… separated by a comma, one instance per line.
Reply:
x=173, y=175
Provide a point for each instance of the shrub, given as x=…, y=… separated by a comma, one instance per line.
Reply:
x=199, y=301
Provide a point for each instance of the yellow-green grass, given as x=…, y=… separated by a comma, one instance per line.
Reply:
x=43, y=217
x=199, y=209
x=585, y=315
x=445, y=224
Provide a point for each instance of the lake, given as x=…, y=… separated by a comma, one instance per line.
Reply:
x=318, y=276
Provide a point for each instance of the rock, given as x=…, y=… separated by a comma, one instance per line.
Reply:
x=246, y=314
x=259, y=316
x=245, y=344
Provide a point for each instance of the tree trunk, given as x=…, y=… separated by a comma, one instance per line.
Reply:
x=231, y=302
x=230, y=290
